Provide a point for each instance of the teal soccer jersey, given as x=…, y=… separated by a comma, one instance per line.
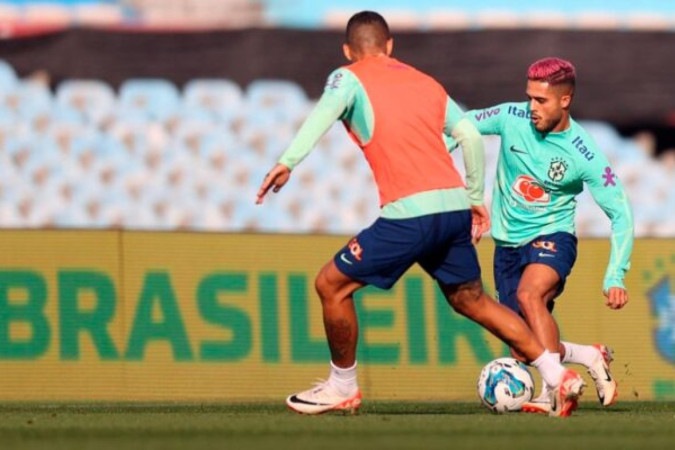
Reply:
x=539, y=176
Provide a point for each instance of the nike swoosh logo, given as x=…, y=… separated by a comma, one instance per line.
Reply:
x=343, y=257
x=607, y=376
x=546, y=255
x=295, y=399
x=517, y=150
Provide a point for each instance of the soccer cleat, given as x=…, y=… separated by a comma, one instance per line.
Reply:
x=565, y=396
x=540, y=404
x=322, y=398
x=536, y=407
x=605, y=384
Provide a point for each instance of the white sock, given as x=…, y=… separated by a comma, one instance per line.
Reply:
x=549, y=367
x=343, y=380
x=580, y=354
x=543, y=395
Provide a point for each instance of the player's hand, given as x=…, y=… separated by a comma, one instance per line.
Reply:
x=275, y=180
x=616, y=297
x=480, y=222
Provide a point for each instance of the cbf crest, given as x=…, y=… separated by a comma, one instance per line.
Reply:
x=557, y=169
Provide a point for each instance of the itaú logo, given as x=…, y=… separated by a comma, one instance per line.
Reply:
x=531, y=190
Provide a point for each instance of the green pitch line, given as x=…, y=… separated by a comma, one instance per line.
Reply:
x=386, y=425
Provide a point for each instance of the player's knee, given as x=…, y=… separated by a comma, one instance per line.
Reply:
x=529, y=300
x=322, y=286
x=466, y=297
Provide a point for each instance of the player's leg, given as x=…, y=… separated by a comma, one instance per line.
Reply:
x=537, y=287
x=340, y=391
x=453, y=262
x=335, y=290
x=549, y=261
x=546, y=262
x=558, y=252
x=567, y=385
x=379, y=255
x=470, y=300
x=597, y=359
x=509, y=264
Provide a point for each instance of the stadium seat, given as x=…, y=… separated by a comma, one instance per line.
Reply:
x=281, y=99
x=220, y=98
x=135, y=136
x=189, y=135
x=149, y=98
x=8, y=76
x=94, y=100
x=27, y=102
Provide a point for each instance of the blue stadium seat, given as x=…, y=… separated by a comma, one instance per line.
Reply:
x=219, y=98
x=8, y=76
x=149, y=98
x=93, y=100
x=283, y=99
x=27, y=101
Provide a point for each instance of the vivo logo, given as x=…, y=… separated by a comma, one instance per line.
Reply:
x=486, y=114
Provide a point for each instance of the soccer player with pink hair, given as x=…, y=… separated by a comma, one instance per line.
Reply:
x=545, y=160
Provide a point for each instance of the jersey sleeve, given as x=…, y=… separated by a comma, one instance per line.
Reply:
x=463, y=132
x=490, y=120
x=337, y=97
x=609, y=194
x=487, y=121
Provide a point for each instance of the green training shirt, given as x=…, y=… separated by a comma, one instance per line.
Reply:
x=539, y=176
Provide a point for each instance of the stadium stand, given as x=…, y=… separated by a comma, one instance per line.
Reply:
x=173, y=14
x=154, y=156
x=402, y=14
x=484, y=14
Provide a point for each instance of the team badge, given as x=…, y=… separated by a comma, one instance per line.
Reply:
x=557, y=169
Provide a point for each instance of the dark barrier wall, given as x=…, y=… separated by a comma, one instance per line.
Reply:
x=625, y=78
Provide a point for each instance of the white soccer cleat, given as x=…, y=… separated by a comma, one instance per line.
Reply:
x=605, y=384
x=565, y=396
x=322, y=398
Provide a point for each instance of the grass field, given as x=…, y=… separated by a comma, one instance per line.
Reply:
x=379, y=425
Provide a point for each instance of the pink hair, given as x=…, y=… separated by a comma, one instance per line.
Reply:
x=553, y=71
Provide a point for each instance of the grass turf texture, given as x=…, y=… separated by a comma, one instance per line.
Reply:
x=386, y=425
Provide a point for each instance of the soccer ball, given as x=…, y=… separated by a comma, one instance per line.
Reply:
x=505, y=385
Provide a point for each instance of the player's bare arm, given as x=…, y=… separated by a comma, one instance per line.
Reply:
x=275, y=180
